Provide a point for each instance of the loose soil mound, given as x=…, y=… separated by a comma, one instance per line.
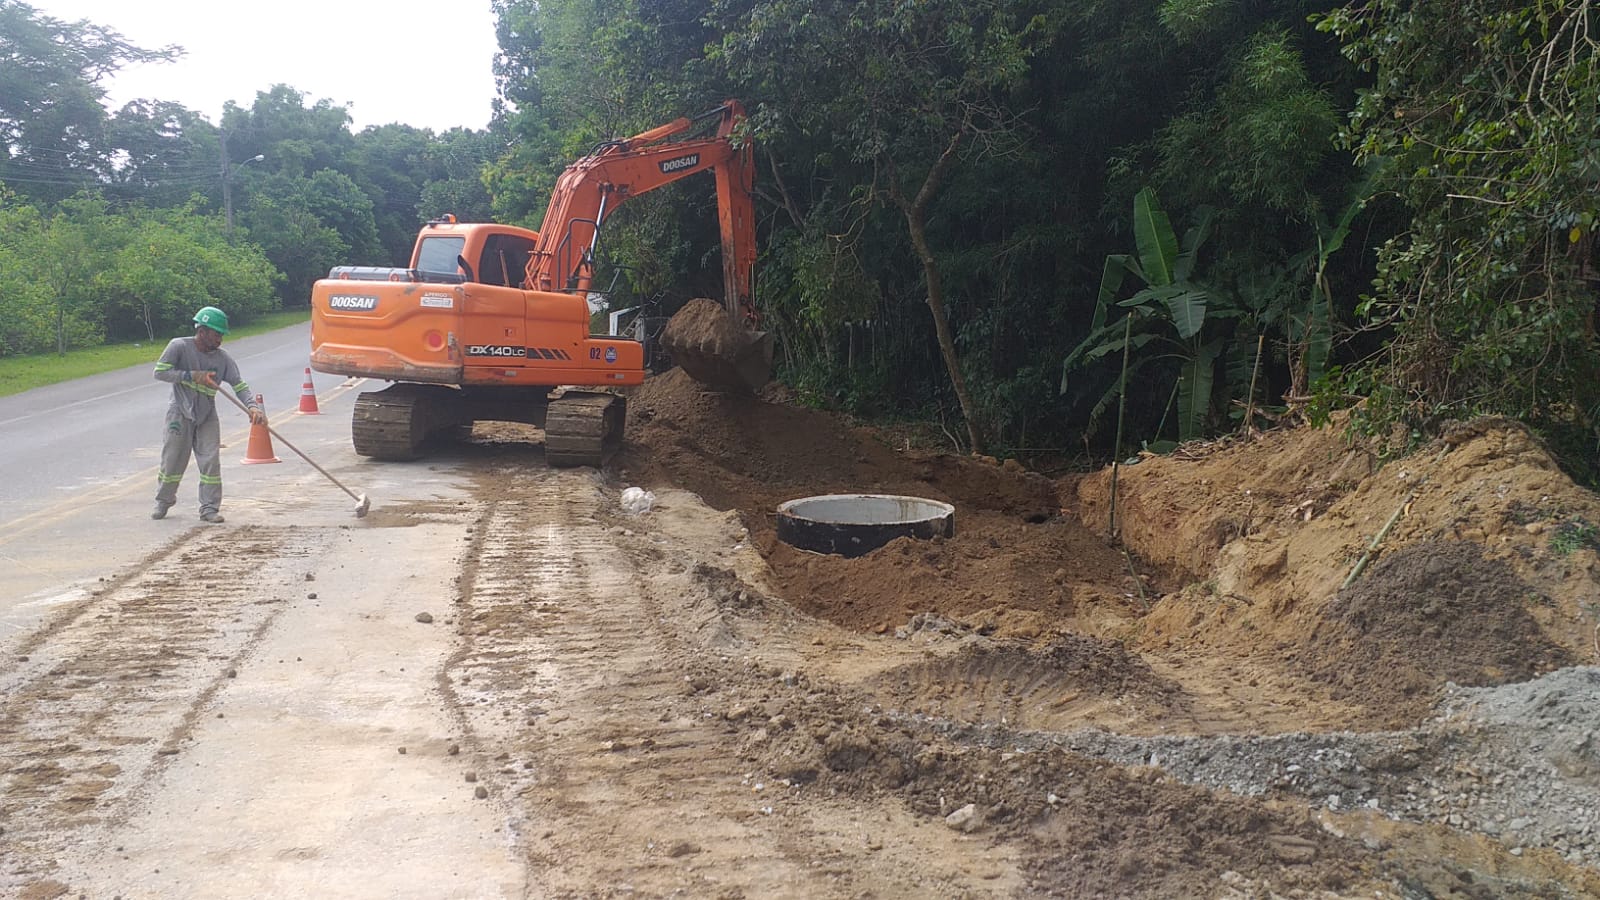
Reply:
x=1015, y=564
x=705, y=340
x=704, y=324
x=1432, y=613
x=1026, y=687
x=1267, y=530
x=1238, y=549
x=1132, y=833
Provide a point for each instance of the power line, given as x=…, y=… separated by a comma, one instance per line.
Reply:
x=21, y=170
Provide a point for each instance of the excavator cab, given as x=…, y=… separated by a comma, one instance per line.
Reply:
x=498, y=258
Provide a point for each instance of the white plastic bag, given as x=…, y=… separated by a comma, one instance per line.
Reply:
x=637, y=501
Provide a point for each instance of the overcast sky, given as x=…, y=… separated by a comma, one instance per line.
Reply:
x=426, y=63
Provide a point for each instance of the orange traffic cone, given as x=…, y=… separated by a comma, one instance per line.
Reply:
x=308, y=397
x=260, y=448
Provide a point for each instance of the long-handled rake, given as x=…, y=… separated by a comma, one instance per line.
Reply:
x=362, y=503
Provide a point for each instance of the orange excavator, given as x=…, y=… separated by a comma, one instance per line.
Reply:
x=492, y=322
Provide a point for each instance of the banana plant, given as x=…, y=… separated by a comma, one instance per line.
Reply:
x=1311, y=334
x=1170, y=296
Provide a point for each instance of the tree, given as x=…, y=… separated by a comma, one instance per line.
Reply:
x=174, y=262
x=1261, y=152
x=1171, y=295
x=82, y=273
x=52, y=126
x=390, y=165
x=298, y=243
x=24, y=300
x=1262, y=144
x=456, y=163
x=302, y=139
x=66, y=255
x=1487, y=109
x=551, y=114
x=167, y=153
x=337, y=203
x=911, y=91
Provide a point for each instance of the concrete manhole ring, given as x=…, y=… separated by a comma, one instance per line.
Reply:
x=852, y=525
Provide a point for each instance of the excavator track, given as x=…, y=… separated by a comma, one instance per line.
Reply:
x=583, y=429
x=393, y=423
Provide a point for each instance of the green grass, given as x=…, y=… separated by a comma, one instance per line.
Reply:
x=1573, y=535
x=22, y=373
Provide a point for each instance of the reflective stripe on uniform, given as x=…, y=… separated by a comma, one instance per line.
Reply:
x=210, y=479
x=164, y=478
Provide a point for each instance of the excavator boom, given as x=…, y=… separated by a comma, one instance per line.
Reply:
x=615, y=171
x=720, y=348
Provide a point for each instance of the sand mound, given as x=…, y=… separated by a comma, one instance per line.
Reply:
x=1238, y=548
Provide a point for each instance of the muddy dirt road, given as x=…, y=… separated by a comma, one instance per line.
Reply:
x=513, y=696
x=501, y=684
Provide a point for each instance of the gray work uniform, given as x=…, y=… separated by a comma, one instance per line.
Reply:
x=192, y=420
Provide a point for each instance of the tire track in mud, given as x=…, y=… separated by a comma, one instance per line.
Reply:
x=1036, y=686
x=564, y=669
x=589, y=699
x=102, y=698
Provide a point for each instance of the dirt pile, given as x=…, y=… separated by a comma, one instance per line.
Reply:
x=1265, y=532
x=1431, y=613
x=1207, y=713
x=1025, y=685
x=707, y=343
x=1015, y=564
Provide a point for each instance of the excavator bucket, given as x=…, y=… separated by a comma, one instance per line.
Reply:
x=713, y=349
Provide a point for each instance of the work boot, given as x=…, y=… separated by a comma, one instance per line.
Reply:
x=213, y=517
x=160, y=512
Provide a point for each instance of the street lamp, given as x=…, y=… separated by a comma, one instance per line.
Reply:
x=227, y=188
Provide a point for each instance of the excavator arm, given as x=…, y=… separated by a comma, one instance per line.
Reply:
x=614, y=172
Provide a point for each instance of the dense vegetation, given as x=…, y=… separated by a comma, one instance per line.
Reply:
x=986, y=213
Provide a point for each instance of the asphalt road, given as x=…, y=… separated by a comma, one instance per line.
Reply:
x=252, y=680
x=78, y=468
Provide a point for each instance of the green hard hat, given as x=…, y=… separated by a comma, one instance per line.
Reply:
x=212, y=318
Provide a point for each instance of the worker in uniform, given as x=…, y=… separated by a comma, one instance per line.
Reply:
x=196, y=367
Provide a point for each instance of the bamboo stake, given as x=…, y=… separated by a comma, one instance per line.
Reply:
x=1250, y=402
x=1122, y=411
x=1377, y=539
x=1144, y=602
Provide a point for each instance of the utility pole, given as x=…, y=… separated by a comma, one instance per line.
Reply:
x=227, y=180
x=227, y=191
